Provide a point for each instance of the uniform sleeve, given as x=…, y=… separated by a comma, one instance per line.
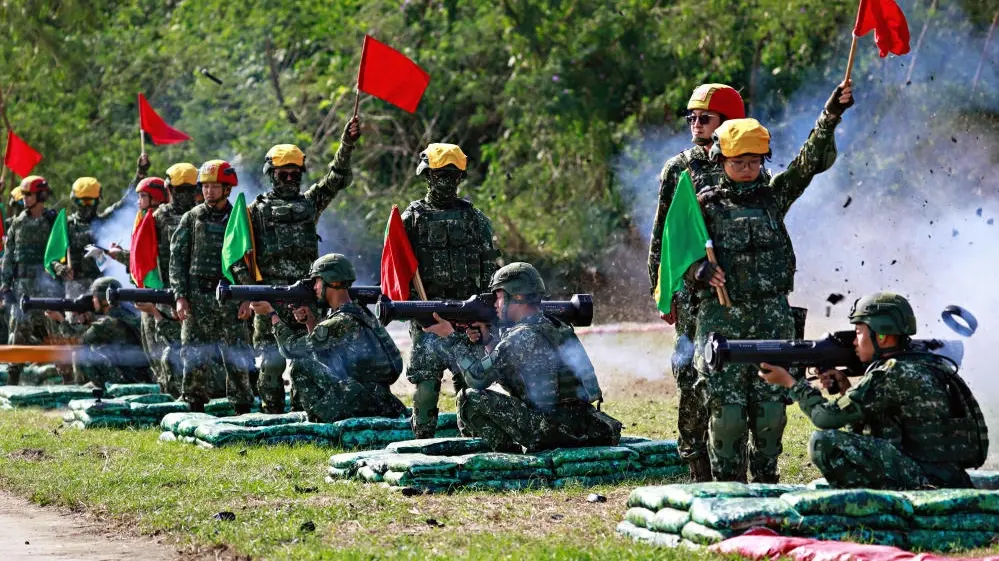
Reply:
x=293, y=344
x=823, y=413
x=8, y=256
x=489, y=253
x=180, y=257
x=667, y=186
x=481, y=370
x=816, y=156
x=122, y=257
x=337, y=178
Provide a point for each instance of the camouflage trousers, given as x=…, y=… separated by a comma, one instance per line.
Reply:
x=108, y=365
x=272, y=366
x=739, y=403
x=214, y=335
x=426, y=371
x=692, y=421
x=508, y=424
x=170, y=374
x=328, y=396
x=29, y=328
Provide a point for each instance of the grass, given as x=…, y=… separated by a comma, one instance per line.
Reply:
x=132, y=481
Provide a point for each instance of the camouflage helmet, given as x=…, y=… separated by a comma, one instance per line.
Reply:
x=281, y=155
x=100, y=286
x=886, y=313
x=519, y=279
x=442, y=156
x=333, y=267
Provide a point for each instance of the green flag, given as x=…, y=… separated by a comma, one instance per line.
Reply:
x=238, y=242
x=58, y=245
x=684, y=240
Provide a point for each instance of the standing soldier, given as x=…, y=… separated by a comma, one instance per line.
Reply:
x=210, y=332
x=710, y=105
x=453, y=242
x=284, y=230
x=23, y=270
x=14, y=207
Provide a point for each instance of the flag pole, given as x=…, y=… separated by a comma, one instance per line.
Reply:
x=853, y=45
x=357, y=85
x=3, y=164
x=419, y=285
x=722, y=292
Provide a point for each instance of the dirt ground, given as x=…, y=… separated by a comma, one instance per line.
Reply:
x=32, y=532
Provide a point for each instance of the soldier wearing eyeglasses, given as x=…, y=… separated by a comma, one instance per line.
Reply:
x=744, y=213
x=284, y=230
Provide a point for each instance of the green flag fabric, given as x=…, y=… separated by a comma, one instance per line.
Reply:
x=58, y=244
x=238, y=242
x=684, y=239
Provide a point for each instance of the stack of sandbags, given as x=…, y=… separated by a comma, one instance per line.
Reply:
x=658, y=458
x=122, y=390
x=181, y=426
x=46, y=397
x=843, y=514
x=591, y=466
x=377, y=432
x=130, y=411
x=954, y=518
x=497, y=471
x=984, y=479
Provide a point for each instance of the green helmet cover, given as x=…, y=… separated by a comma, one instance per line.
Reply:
x=100, y=286
x=886, y=313
x=333, y=267
x=519, y=279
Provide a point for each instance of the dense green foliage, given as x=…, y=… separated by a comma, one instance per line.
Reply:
x=541, y=95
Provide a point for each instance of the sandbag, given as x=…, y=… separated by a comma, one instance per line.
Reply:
x=220, y=407
x=220, y=434
x=338, y=473
x=626, y=440
x=669, y=520
x=543, y=474
x=121, y=390
x=354, y=460
x=886, y=538
x=661, y=460
x=983, y=479
x=628, y=529
x=656, y=452
x=703, y=535
x=102, y=421
x=149, y=398
x=373, y=438
x=371, y=423
x=505, y=485
x=590, y=480
x=500, y=461
x=948, y=540
x=370, y=475
x=851, y=502
x=742, y=513
x=774, y=490
x=167, y=436
x=95, y=407
x=650, y=497
x=963, y=522
x=813, y=524
x=171, y=422
x=589, y=469
x=406, y=479
x=682, y=495
x=440, y=446
x=265, y=420
x=641, y=517
x=561, y=456
x=947, y=501
x=49, y=397
x=158, y=410
x=419, y=464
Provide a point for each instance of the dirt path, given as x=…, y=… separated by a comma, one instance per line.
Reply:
x=28, y=531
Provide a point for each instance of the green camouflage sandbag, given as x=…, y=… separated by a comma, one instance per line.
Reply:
x=406, y=479
x=319, y=432
x=505, y=485
x=501, y=474
x=589, y=469
x=338, y=473
x=681, y=495
x=172, y=421
x=661, y=472
x=500, y=461
x=948, y=540
x=265, y=420
x=103, y=421
x=851, y=502
x=94, y=407
x=221, y=434
x=365, y=473
x=982, y=479
x=656, y=452
x=419, y=464
x=157, y=411
x=167, y=436
x=702, y=535
x=740, y=514
x=590, y=480
x=669, y=520
x=372, y=423
x=43, y=396
x=149, y=398
x=561, y=456
x=628, y=529
x=963, y=522
x=946, y=501
x=440, y=446
x=354, y=460
x=121, y=390
x=774, y=490
x=865, y=535
x=641, y=517
x=373, y=438
x=220, y=407
x=819, y=483
x=659, y=460
x=652, y=497
x=818, y=523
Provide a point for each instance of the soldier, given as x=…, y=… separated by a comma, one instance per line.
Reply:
x=23, y=270
x=81, y=271
x=915, y=423
x=14, y=207
x=540, y=364
x=347, y=362
x=284, y=229
x=210, y=332
x=745, y=214
x=453, y=242
x=113, y=351
x=709, y=106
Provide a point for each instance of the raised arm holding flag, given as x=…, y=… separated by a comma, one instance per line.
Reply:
x=389, y=75
x=891, y=31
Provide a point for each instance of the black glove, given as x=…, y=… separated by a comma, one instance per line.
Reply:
x=834, y=107
x=705, y=271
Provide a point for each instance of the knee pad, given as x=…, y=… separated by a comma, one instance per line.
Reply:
x=425, y=398
x=768, y=427
x=728, y=429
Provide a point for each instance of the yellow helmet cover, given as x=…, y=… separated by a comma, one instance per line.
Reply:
x=742, y=136
x=286, y=155
x=439, y=155
x=182, y=174
x=86, y=188
x=16, y=194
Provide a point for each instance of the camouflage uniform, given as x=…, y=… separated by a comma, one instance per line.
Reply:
x=11, y=212
x=746, y=223
x=112, y=351
x=896, y=414
x=284, y=230
x=212, y=333
x=79, y=226
x=345, y=366
x=453, y=242
x=24, y=273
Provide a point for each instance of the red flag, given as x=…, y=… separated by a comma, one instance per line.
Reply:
x=154, y=125
x=143, y=262
x=891, y=31
x=20, y=158
x=389, y=75
x=398, y=260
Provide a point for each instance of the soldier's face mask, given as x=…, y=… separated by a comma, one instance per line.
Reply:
x=184, y=197
x=86, y=207
x=442, y=185
x=286, y=181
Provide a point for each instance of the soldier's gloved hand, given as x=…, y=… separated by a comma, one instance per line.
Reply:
x=142, y=165
x=841, y=99
x=670, y=318
x=62, y=270
x=351, y=132
x=834, y=381
x=709, y=273
x=303, y=314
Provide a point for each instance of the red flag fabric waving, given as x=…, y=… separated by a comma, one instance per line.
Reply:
x=154, y=125
x=891, y=31
x=389, y=75
x=20, y=158
x=398, y=260
x=142, y=259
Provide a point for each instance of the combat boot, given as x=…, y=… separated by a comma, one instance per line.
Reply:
x=242, y=408
x=196, y=406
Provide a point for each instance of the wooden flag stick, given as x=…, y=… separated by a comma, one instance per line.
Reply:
x=142, y=139
x=849, y=61
x=3, y=164
x=723, y=297
x=419, y=286
x=357, y=91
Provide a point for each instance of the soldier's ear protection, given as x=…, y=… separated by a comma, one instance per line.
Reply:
x=881, y=338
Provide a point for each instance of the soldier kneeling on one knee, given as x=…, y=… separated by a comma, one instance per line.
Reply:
x=915, y=423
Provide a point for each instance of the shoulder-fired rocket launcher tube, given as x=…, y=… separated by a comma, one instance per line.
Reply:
x=301, y=292
x=576, y=311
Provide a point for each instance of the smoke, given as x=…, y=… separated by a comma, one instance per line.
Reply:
x=911, y=203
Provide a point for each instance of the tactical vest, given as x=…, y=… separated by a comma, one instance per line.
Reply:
x=374, y=362
x=963, y=438
x=288, y=240
x=80, y=236
x=576, y=377
x=32, y=236
x=207, y=239
x=166, y=219
x=752, y=245
x=453, y=258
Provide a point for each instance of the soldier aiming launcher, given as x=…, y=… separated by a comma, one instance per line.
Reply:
x=576, y=311
x=144, y=295
x=302, y=292
x=80, y=305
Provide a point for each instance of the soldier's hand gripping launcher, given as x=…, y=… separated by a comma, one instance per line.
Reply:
x=301, y=292
x=143, y=295
x=576, y=311
x=80, y=305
